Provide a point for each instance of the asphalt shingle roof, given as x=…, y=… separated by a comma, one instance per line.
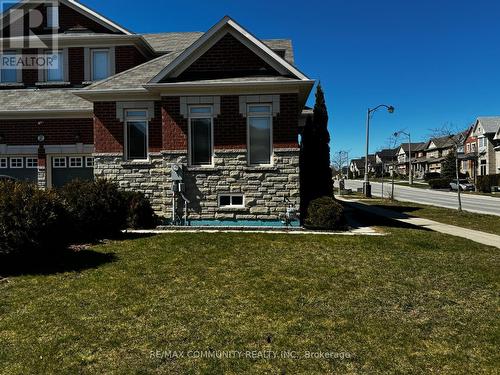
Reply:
x=41, y=100
x=168, y=42
x=490, y=124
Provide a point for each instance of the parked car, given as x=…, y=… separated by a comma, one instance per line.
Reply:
x=465, y=185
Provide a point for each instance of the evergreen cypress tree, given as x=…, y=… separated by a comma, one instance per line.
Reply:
x=449, y=166
x=315, y=172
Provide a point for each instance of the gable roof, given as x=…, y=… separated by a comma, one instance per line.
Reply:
x=175, y=41
x=79, y=7
x=208, y=39
x=489, y=124
x=386, y=153
x=415, y=147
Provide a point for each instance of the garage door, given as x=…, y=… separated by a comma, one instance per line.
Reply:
x=21, y=168
x=68, y=168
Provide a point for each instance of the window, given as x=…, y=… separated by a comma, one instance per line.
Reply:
x=473, y=147
x=8, y=72
x=231, y=200
x=75, y=162
x=89, y=162
x=55, y=66
x=200, y=135
x=16, y=162
x=482, y=142
x=3, y=163
x=53, y=17
x=59, y=162
x=467, y=147
x=259, y=134
x=31, y=163
x=100, y=64
x=136, y=133
x=483, y=167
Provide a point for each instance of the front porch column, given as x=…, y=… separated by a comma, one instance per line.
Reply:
x=42, y=168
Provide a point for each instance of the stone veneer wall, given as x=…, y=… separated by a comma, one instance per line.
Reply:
x=264, y=188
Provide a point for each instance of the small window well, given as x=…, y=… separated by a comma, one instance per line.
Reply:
x=231, y=200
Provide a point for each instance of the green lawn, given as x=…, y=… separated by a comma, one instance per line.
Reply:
x=413, y=302
x=485, y=223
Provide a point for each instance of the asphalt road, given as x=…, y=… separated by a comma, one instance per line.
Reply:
x=472, y=203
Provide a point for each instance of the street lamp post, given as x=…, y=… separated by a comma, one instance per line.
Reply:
x=410, y=172
x=366, y=185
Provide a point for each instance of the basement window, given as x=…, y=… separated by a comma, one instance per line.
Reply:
x=231, y=200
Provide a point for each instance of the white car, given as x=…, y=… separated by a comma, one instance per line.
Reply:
x=465, y=185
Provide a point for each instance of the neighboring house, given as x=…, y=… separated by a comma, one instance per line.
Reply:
x=357, y=167
x=486, y=131
x=436, y=150
x=469, y=159
x=223, y=106
x=385, y=159
x=403, y=157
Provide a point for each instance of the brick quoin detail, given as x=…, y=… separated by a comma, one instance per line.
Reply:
x=56, y=131
x=227, y=58
x=168, y=130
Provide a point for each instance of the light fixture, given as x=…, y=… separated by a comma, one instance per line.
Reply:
x=41, y=138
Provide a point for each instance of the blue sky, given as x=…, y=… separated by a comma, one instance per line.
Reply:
x=436, y=61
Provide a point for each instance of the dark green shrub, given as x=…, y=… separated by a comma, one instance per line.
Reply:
x=439, y=183
x=325, y=213
x=97, y=208
x=31, y=220
x=140, y=214
x=431, y=176
x=484, y=183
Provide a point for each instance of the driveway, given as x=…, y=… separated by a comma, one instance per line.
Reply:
x=472, y=203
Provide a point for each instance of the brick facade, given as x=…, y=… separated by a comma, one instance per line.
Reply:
x=56, y=131
x=227, y=58
x=127, y=57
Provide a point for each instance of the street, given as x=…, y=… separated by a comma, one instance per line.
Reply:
x=472, y=203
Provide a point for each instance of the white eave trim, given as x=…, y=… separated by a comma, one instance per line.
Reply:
x=152, y=86
x=266, y=53
x=96, y=16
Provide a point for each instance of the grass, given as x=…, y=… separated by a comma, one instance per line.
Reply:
x=411, y=302
x=481, y=222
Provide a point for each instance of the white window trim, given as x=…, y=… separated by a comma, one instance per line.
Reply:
x=257, y=114
x=32, y=167
x=75, y=158
x=55, y=25
x=92, y=51
x=65, y=67
x=87, y=158
x=196, y=116
x=231, y=205
x=16, y=158
x=4, y=160
x=125, y=132
x=11, y=52
x=54, y=158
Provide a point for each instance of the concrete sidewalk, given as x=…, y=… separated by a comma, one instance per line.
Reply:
x=473, y=235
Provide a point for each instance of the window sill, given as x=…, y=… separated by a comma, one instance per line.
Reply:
x=199, y=168
x=53, y=84
x=12, y=85
x=137, y=163
x=231, y=209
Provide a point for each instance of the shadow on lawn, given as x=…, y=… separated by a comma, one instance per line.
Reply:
x=387, y=217
x=57, y=262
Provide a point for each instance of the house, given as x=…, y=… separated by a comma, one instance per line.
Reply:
x=403, y=157
x=469, y=159
x=486, y=131
x=436, y=150
x=357, y=167
x=384, y=160
x=205, y=124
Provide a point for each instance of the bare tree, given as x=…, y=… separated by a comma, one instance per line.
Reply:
x=456, y=138
x=339, y=160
